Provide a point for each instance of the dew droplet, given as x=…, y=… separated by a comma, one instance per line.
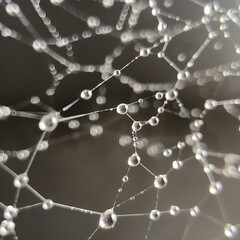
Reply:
x=171, y=94
x=48, y=122
x=230, y=231
x=136, y=126
x=210, y=104
x=86, y=94
x=10, y=212
x=4, y=112
x=174, y=210
x=122, y=108
x=195, y=211
x=154, y=215
x=134, y=160
x=177, y=164
x=160, y=181
x=107, y=219
x=47, y=204
x=153, y=121
x=215, y=188
x=21, y=180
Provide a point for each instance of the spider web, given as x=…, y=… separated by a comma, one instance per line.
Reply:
x=145, y=93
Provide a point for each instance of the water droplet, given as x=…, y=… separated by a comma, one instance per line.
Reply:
x=136, y=126
x=93, y=22
x=177, y=164
x=210, y=104
x=211, y=8
x=153, y=121
x=56, y=2
x=13, y=9
x=144, y=52
x=167, y=152
x=195, y=211
x=159, y=95
x=47, y=204
x=107, y=219
x=39, y=45
x=86, y=94
x=122, y=108
x=7, y=227
x=4, y=112
x=134, y=160
x=230, y=231
x=23, y=154
x=96, y=130
x=154, y=215
x=10, y=212
x=171, y=95
x=160, y=181
x=174, y=210
x=48, y=122
x=183, y=75
x=181, y=57
x=181, y=145
x=3, y=157
x=215, y=188
x=125, y=179
x=162, y=26
x=117, y=73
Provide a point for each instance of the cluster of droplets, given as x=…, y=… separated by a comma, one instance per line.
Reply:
x=164, y=93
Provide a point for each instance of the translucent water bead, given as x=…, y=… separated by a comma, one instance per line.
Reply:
x=159, y=95
x=211, y=8
x=47, y=204
x=125, y=179
x=195, y=211
x=122, y=108
x=23, y=154
x=167, y=152
x=174, y=210
x=107, y=3
x=215, y=188
x=210, y=104
x=93, y=22
x=117, y=72
x=13, y=9
x=160, y=181
x=144, y=52
x=136, y=126
x=4, y=112
x=230, y=231
x=198, y=123
x=162, y=26
x=3, y=157
x=177, y=164
x=134, y=160
x=171, y=95
x=21, y=180
x=7, y=227
x=129, y=2
x=183, y=75
x=181, y=145
x=154, y=215
x=107, y=219
x=48, y=122
x=86, y=94
x=10, y=212
x=39, y=45
x=153, y=121
x=56, y=2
